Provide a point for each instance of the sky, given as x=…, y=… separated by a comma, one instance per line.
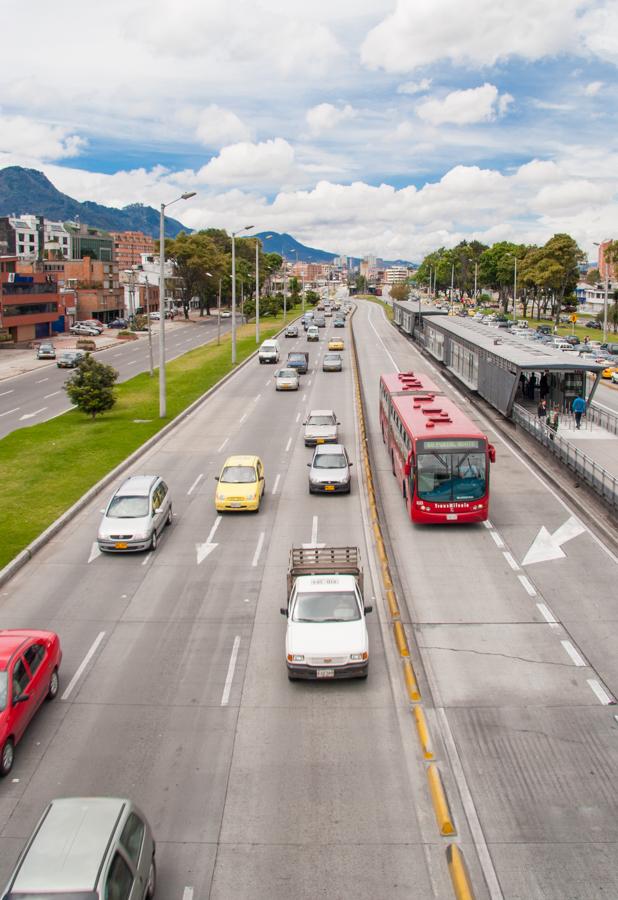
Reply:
x=358, y=126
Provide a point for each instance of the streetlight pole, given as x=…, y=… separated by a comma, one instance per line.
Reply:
x=219, y=315
x=452, y=286
x=162, y=379
x=515, y=290
x=234, y=233
x=150, y=359
x=476, y=273
x=605, y=300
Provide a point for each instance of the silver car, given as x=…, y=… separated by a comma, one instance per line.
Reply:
x=46, y=351
x=136, y=515
x=287, y=380
x=94, y=848
x=332, y=362
x=329, y=470
x=320, y=427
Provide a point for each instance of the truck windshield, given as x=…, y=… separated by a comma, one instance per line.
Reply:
x=323, y=606
x=443, y=477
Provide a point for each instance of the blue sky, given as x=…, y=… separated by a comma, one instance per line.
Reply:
x=377, y=126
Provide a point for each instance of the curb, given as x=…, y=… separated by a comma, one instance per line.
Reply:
x=28, y=552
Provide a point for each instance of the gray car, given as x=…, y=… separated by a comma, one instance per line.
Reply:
x=320, y=427
x=136, y=515
x=87, y=848
x=332, y=362
x=329, y=470
x=46, y=351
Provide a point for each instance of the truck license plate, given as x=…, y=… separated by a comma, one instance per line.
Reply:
x=325, y=673
x=319, y=440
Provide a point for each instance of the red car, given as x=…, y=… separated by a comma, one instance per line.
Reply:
x=29, y=662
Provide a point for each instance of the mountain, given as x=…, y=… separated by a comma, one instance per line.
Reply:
x=25, y=191
x=286, y=246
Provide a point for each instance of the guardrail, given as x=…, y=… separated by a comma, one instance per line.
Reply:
x=599, y=479
x=604, y=418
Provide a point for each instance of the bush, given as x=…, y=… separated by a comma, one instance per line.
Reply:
x=127, y=335
x=85, y=344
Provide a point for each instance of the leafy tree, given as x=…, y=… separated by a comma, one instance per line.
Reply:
x=312, y=298
x=400, y=291
x=294, y=287
x=91, y=387
x=593, y=276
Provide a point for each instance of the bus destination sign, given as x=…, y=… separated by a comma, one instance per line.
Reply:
x=457, y=444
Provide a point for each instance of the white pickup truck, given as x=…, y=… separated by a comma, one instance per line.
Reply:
x=326, y=634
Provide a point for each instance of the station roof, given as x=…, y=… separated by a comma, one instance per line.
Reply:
x=521, y=352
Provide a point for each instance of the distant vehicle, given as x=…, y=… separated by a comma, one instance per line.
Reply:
x=326, y=634
x=154, y=316
x=320, y=321
x=117, y=323
x=335, y=344
x=339, y=322
x=225, y=314
x=241, y=484
x=329, y=470
x=46, y=351
x=69, y=359
x=332, y=362
x=291, y=331
x=269, y=352
x=80, y=328
x=312, y=333
x=544, y=329
x=29, y=663
x=299, y=360
x=609, y=372
x=320, y=427
x=87, y=848
x=287, y=380
x=572, y=339
x=594, y=324
x=136, y=515
x=615, y=377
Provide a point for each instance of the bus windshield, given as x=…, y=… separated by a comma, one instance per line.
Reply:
x=445, y=477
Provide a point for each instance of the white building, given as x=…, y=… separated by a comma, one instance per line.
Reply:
x=396, y=274
x=28, y=228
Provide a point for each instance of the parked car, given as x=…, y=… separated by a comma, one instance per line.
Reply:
x=329, y=470
x=312, y=333
x=291, y=331
x=81, y=328
x=95, y=848
x=136, y=515
x=29, y=663
x=544, y=329
x=69, y=359
x=226, y=314
x=332, y=362
x=155, y=317
x=320, y=427
x=117, y=323
x=241, y=484
x=287, y=380
x=46, y=351
x=594, y=324
x=572, y=339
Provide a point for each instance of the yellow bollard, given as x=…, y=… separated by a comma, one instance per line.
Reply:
x=423, y=731
x=412, y=687
x=459, y=873
x=400, y=639
x=440, y=803
x=391, y=601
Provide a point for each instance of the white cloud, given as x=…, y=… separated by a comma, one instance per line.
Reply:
x=599, y=30
x=482, y=104
x=415, y=87
x=548, y=104
x=25, y=136
x=593, y=88
x=326, y=116
x=214, y=126
x=246, y=164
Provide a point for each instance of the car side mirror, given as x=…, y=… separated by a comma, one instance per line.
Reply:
x=367, y=609
x=216, y=477
x=284, y=611
x=21, y=698
x=337, y=423
x=492, y=453
x=308, y=465
x=350, y=463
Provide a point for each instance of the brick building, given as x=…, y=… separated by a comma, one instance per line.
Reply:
x=31, y=305
x=606, y=269
x=129, y=247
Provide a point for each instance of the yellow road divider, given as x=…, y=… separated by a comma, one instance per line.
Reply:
x=459, y=873
x=393, y=606
x=440, y=803
x=401, y=639
x=423, y=731
x=410, y=678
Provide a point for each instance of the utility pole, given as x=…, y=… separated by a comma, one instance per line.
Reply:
x=219, y=315
x=150, y=357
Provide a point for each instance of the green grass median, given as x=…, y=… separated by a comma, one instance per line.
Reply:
x=46, y=468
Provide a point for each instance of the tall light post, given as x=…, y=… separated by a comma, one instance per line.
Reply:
x=234, y=233
x=452, y=287
x=515, y=289
x=596, y=244
x=257, y=287
x=162, y=381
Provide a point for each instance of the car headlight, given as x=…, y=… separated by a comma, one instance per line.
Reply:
x=250, y=496
x=358, y=657
x=139, y=537
x=295, y=657
x=220, y=496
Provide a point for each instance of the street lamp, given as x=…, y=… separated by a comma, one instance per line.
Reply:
x=596, y=244
x=257, y=287
x=452, y=285
x=234, y=233
x=162, y=384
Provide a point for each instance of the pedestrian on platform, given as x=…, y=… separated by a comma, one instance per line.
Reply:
x=579, y=408
x=544, y=385
x=541, y=411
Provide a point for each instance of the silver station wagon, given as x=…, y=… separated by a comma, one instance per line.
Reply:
x=87, y=848
x=136, y=515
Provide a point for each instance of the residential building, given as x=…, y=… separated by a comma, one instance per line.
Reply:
x=396, y=274
x=34, y=237
x=31, y=305
x=90, y=286
x=591, y=297
x=130, y=246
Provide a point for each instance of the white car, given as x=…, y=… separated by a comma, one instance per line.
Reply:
x=269, y=352
x=326, y=634
x=287, y=380
x=321, y=427
x=80, y=328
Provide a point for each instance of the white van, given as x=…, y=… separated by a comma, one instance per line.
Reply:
x=269, y=352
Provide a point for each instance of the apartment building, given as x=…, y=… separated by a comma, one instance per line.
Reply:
x=130, y=246
x=31, y=305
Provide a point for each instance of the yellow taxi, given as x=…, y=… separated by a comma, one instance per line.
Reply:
x=335, y=343
x=240, y=484
x=609, y=372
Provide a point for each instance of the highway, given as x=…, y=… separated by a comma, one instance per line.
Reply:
x=174, y=689
x=38, y=395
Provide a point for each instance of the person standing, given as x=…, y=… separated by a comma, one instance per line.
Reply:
x=541, y=411
x=579, y=408
x=544, y=385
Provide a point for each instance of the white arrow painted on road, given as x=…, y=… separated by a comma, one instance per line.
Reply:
x=32, y=414
x=94, y=551
x=548, y=546
x=205, y=549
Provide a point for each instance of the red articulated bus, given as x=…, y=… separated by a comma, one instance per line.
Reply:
x=439, y=457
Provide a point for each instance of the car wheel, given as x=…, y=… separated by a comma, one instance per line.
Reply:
x=7, y=757
x=292, y=677
x=153, y=541
x=151, y=884
x=54, y=684
x=170, y=516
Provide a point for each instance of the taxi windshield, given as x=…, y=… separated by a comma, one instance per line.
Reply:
x=238, y=475
x=323, y=606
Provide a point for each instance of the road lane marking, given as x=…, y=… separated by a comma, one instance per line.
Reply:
x=205, y=549
x=230, y=672
x=268, y=382
x=276, y=484
x=304, y=397
x=288, y=445
x=396, y=367
x=602, y=694
x=297, y=419
x=116, y=355
x=41, y=381
x=314, y=535
x=55, y=393
x=578, y=660
x=509, y=558
x=223, y=445
x=256, y=398
x=548, y=546
x=258, y=549
x=9, y=411
x=488, y=524
x=83, y=665
x=94, y=551
x=497, y=539
x=187, y=894
x=242, y=418
x=32, y=414
x=4, y=393
x=195, y=484
x=147, y=559
x=547, y=613
x=132, y=363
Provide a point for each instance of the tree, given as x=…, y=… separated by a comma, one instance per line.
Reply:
x=593, y=276
x=400, y=291
x=294, y=286
x=91, y=387
x=312, y=298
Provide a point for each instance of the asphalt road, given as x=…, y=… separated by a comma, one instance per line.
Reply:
x=38, y=395
x=258, y=787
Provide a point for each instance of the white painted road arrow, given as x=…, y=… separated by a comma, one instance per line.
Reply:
x=205, y=549
x=31, y=415
x=548, y=546
x=94, y=551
